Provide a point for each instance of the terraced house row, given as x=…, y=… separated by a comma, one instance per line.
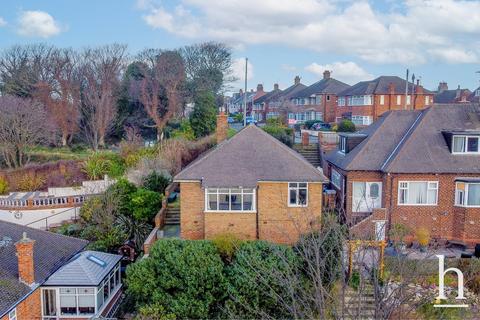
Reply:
x=330, y=100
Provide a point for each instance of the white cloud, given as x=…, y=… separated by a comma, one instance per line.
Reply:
x=414, y=32
x=37, y=24
x=348, y=72
x=288, y=67
x=2, y=22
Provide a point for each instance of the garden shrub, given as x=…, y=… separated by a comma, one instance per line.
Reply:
x=156, y=182
x=100, y=164
x=122, y=191
x=346, y=126
x=144, y=204
x=227, y=244
x=184, y=131
x=154, y=311
x=183, y=277
x=253, y=286
x=30, y=182
x=423, y=236
x=282, y=133
x=3, y=186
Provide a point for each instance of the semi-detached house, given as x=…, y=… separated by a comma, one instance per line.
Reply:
x=252, y=186
x=419, y=168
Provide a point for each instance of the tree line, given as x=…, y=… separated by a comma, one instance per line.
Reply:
x=62, y=96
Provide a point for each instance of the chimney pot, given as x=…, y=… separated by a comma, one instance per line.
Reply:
x=275, y=86
x=26, y=270
x=296, y=80
x=326, y=74
x=442, y=86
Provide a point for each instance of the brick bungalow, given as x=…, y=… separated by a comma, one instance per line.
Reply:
x=364, y=102
x=45, y=275
x=318, y=101
x=419, y=168
x=252, y=186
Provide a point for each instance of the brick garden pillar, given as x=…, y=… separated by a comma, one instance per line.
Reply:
x=305, y=138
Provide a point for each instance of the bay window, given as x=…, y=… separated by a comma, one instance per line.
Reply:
x=467, y=194
x=297, y=194
x=230, y=199
x=418, y=192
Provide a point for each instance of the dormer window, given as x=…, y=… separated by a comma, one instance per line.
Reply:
x=342, y=145
x=465, y=144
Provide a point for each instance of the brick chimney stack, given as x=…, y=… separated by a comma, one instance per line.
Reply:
x=26, y=270
x=275, y=86
x=391, y=88
x=458, y=92
x=442, y=86
x=296, y=80
x=222, y=127
x=326, y=74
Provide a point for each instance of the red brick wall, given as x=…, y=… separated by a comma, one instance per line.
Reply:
x=192, y=204
x=30, y=308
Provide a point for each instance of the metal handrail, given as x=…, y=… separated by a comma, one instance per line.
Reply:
x=53, y=215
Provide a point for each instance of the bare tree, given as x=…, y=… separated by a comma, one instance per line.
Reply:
x=23, y=123
x=61, y=95
x=22, y=67
x=160, y=90
x=101, y=71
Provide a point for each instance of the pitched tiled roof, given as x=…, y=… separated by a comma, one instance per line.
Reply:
x=50, y=252
x=269, y=96
x=412, y=142
x=82, y=270
x=329, y=85
x=291, y=91
x=379, y=85
x=450, y=96
x=250, y=156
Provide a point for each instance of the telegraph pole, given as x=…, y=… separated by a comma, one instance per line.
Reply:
x=245, y=95
x=406, y=90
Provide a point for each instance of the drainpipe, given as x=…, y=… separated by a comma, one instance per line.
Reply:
x=256, y=214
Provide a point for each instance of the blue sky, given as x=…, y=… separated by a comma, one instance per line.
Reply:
x=439, y=40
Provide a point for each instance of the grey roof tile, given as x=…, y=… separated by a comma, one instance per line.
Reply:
x=329, y=85
x=250, y=156
x=379, y=85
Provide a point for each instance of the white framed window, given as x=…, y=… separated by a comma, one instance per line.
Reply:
x=409, y=99
x=319, y=116
x=477, y=93
x=342, y=144
x=467, y=194
x=399, y=99
x=297, y=194
x=336, y=178
x=418, y=193
x=366, y=196
x=365, y=100
x=427, y=100
x=382, y=99
x=230, y=200
x=465, y=144
x=362, y=120
x=12, y=315
x=341, y=101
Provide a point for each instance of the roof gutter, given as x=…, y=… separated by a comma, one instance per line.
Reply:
x=401, y=141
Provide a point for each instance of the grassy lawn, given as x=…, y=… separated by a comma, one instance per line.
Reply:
x=46, y=154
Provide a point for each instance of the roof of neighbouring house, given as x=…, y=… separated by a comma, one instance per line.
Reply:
x=413, y=142
x=329, y=85
x=50, y=252
x=450, y=96
x=379, y=85
x=87, y=268
x=269, y=96
x=250, y=156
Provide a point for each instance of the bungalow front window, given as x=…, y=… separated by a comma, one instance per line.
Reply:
x=418, y=192
x=230, y=199
x=366, y=196
x=467, y=194
x=297, y=194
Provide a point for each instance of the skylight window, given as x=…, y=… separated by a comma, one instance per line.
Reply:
x=97, y=260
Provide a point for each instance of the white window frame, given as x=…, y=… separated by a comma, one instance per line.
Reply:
x=370, y=202
x=399, y=100
x=465, y=194
x=400, y=188
x=427, y=100
x=382, y=99
x=409, y=99
x=342, y=144
x=296, y=186
x=12, y=315
x=340, y=178
x=244, y=191
x=341, y=101
x=465, y=144
x=362, y=120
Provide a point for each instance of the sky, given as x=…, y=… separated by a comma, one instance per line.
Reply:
x=437, y=40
